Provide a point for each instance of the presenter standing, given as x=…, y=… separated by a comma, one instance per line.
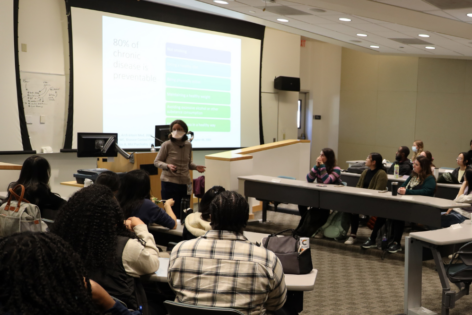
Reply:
x=175, y=160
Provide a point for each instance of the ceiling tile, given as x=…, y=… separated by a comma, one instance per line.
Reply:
x=370, y=27
x=312, y=19
x=416, y=5
x=460, y=14
x=441, y=14
x=362, y=18
x=309, y=9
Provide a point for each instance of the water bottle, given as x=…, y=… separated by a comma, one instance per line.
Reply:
x=153, y=149
x=384, y=241
x=396, y=171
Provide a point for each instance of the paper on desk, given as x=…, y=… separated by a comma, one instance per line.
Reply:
x=405, y=176
x=163, y=267
x=456, y=226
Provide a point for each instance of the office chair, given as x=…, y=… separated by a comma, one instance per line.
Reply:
x=175, y=308
x=461, y=272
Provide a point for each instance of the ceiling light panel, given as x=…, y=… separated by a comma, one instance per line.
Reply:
x=343, y=19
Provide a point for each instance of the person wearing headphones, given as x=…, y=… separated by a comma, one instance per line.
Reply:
x=175, y=160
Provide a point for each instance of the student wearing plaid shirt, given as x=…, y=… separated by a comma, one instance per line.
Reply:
x=223, y=269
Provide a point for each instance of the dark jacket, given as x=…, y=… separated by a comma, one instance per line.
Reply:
x=405, y=167
x=455, y=173
x=378, y=182
x=427, y=188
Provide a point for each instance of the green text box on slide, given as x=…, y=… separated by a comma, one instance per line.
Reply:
x=216, y=125
x=197, y=96
x=197, y=110
x=197, y=82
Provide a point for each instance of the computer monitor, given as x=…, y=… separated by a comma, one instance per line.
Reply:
x=91, y=144
x=162, y=133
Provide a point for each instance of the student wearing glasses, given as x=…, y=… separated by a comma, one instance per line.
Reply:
x=463, y=162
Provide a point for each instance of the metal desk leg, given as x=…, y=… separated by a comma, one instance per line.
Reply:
x=413, y=277
x=265, y=205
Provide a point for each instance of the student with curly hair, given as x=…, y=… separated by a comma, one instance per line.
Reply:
x=41, y=274
x=93, y=224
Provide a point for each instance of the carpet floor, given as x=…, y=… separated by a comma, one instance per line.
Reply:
x=353, y=281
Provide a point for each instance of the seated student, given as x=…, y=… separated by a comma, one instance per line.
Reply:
x=459, y=215
x=417, y=148
x=463, y=162
x=373, y=178
x=324, y=172
x=41, y=274
x=223, y=269
x=430, y=157
x=93, y=224
x=109, y=179
x=198, y=223
x=421, y=182
x=401, y=159
x=134, y=199
x=34, y=176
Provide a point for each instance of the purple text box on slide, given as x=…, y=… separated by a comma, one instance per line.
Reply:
x=197, y=53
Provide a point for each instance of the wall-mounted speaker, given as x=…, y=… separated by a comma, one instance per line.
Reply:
x=287, y=84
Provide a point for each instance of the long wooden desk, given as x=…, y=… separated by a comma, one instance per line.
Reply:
x=446, y=191
x=433, y=240
x=8, y=166
x=418, y=209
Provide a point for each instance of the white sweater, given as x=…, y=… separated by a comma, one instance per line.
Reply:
x=140, y=260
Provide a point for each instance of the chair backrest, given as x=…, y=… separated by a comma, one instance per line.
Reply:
x=175, y=308
x=461, y=272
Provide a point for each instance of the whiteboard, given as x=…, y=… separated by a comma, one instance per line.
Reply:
x=44, y=102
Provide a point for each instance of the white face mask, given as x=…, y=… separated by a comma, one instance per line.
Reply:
x=414, y=149
x=178, y=134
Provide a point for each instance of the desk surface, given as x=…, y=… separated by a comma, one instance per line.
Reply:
x=423, y=200
x=447, y=236
x=8, y=166
x=72, y=183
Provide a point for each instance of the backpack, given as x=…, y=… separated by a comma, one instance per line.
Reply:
x=311, y=222
x=20, y=215
x=385, y=236
x=337, y=225
x=199, y=186
x=357, y=168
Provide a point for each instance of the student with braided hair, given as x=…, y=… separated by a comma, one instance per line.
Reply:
x=41, y=274
x=115, y=255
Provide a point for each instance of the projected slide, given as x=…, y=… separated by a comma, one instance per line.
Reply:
x=154, y=74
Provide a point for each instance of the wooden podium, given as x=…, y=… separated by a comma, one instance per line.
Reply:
x=142, y=160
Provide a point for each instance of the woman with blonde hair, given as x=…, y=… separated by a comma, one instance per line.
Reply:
x=417, y=148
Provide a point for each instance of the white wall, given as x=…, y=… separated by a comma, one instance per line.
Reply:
x=281, y=57
x=43, y=28
x=320, y=75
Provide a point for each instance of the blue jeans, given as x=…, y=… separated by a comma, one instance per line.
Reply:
x=452, y=218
